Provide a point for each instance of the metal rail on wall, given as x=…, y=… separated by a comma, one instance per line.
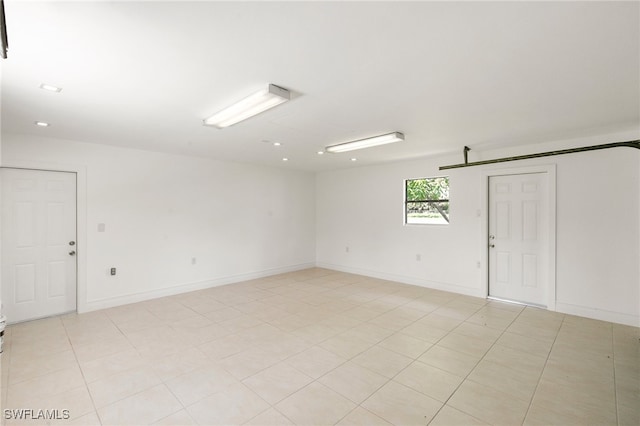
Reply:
x=628, y=144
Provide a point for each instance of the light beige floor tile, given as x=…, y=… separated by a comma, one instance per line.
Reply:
x=143, y=408
x=341, y=321
x=200, y=335
x=588, y=370
x=250, y=362
x=33, y=365
x=513, y=379
x=90, y=419
x=90, y=335
x=537, y=330
x=406, y=345
x=429, y=380
x=277, y=382
x=571, y=403
x=488, y=405
x=368, y=332
x=168, y=367
x=449, y=360
x=526, y=344
x=441, y=322
x=498, y=319
x=449, y=416
x=316, y=361
x=126, y=313
x=179, y=418
x=478, y=331
x=45, y=385
x=237, y=404
x=200, y=383
x=629, y=412
x=224, y=314
x=317, y=333
x=239, y=323
x=77, y=401
x=401, y=405
x=510, y=356
x=346, y=347
x=396, y=319
x=119, y=386
x=465, y=344
x=112, y=364
x=102, y=348
x=270, y=417
x=583, y=372
x=460, y=312
x=382, y=361
x=353, y=381
x=424, y=332
x=361, y=417
x=315, y=404
x=225, y=346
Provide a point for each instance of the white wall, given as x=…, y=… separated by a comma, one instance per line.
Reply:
x=160, y=211
x=598, y=226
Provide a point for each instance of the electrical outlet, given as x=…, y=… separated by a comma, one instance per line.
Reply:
x=346, y=249
x=113, y=271
x=418, y=257
x=193, y=260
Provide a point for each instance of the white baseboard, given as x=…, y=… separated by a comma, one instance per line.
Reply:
x=598, y=314
x=93, y=305
x=453, y=288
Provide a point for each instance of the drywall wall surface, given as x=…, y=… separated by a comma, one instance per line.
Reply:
x=362, y=210
x=171, y=223
x=597, y=226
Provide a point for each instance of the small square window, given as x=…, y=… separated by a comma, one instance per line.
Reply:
x=426, y=201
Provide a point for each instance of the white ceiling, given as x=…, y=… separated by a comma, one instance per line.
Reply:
x=446, y=74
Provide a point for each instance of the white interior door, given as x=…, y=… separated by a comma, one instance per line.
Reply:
x=519, y=238
x=38, y=243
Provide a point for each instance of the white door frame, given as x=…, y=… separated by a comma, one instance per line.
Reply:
x=550, y=169
x=81, y=217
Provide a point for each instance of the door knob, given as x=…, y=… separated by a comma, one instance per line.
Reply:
x=72, y=253
x=72, y=243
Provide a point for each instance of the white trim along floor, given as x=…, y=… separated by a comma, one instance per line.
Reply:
x=319, y=347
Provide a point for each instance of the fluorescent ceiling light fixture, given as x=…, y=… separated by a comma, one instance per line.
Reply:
x=277, y=144
x=261, y=101
x=51, y=88
x=41, y=124
x=285, y=159
x=320, y=152
x=366, y=143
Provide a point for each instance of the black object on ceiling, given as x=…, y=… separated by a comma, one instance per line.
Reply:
x=3, y=31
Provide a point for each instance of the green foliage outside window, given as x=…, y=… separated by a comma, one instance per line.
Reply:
x=427, y=201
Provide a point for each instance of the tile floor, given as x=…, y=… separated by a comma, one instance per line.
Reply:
x=319, y=347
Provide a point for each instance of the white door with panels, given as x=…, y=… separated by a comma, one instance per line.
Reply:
x=38, y=243
x=519, y=238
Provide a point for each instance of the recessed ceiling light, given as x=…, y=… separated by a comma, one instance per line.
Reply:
x=285, y=159
x=277, y=144
x=354, y=159
x=51, y=88
x=41, y=124
x=320, y=152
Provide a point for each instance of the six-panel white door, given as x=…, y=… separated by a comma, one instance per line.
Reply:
x=38, y=243
x=519, y=238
